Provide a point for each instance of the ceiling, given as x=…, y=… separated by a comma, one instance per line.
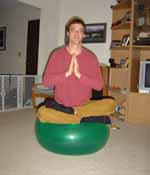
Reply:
x=7, y=3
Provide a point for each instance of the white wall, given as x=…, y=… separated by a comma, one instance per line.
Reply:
x=15, y=18
x=54, y=15
x=92, y=11
x=49, y=24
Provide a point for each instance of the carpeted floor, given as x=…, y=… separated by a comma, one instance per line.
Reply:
x=126, y=153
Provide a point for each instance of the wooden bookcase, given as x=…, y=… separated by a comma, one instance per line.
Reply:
x=124, y=78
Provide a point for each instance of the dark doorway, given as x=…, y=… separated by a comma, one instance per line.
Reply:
x=32, y=47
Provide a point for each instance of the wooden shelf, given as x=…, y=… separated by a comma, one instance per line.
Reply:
x=124, y=4
x=141, y=47
x=119, y=68
x=119, y=90
x=123, y=82
x=125, y=25
x=140, y=27
x=120, y=48
x=146, y=2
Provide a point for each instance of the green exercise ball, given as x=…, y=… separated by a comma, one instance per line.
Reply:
x=72, y=139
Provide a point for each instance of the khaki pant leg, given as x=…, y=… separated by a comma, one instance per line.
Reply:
x=97, y=108
x=52, y=116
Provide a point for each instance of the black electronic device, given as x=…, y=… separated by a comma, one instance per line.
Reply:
x=143, y=41
x=112, y=62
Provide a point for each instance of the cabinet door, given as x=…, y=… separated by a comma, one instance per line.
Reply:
x=105, y=74
x=138, y=108
x=118, y=78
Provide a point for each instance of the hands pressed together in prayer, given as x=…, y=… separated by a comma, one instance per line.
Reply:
x=73, y=67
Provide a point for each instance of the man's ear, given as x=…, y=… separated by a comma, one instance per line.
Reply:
x=67, y=33
x=84, y=35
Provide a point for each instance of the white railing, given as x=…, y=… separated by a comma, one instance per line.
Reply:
x=16, y=91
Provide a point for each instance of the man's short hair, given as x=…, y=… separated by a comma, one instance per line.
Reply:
x=75, y=20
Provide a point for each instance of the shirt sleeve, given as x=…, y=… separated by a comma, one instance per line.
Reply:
x=93, y=78
x=53, y=75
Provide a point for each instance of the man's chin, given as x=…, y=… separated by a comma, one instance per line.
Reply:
x=77, y=42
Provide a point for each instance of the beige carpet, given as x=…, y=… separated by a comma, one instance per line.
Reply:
x=126, y=153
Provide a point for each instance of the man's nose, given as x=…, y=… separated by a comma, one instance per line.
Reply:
x=77, y=32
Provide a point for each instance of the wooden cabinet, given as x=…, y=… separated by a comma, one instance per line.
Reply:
x=105, y=74
x=138, y=108
x=127, y=54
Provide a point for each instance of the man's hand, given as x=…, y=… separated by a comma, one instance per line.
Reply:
x=73, y=67
x=76, y=68
x=70, y=69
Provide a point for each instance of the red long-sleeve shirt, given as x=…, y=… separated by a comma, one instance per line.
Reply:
x=71, y=91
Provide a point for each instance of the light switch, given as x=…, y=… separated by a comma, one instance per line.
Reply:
x=19, y=54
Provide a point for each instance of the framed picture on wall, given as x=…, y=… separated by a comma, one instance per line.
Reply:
x=2, y=38
x=95, y=33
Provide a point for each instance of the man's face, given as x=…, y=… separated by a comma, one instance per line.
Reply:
x=76, y=33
